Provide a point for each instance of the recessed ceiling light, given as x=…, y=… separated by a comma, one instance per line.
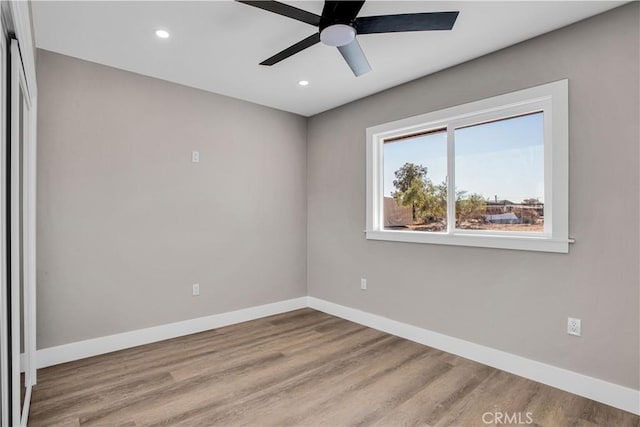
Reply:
x=303, y=82
x=163, y=34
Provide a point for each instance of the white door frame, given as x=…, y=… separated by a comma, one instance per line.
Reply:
x=4, y=342
x=15, y=21
x=31, y=177
x=22, y=173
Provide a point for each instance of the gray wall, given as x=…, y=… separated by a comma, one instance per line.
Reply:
x=126, y=223
x=510, y=300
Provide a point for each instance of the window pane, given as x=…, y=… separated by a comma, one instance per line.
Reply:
x=500, y=175
x=415, y=189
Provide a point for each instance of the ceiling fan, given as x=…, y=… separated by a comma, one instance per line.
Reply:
x=338, y=26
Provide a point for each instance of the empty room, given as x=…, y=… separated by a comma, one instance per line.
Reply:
x=320, y=213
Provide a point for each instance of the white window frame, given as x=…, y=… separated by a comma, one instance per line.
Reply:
x=552, y=100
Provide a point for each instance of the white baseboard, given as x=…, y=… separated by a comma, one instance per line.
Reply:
x=602, y=391
x=96, y=346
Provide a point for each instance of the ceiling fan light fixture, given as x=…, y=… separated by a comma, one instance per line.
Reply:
x=337, y=35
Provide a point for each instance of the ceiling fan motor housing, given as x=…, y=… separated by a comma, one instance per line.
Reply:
x=336, y=29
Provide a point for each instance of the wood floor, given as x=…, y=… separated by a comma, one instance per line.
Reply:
x=299, y=368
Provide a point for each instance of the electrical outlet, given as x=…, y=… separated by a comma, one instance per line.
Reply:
x=363, y=284
x=195, y=156
x=195, y=289
x=573, y=326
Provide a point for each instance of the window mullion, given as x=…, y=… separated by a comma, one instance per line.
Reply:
x=451, y=184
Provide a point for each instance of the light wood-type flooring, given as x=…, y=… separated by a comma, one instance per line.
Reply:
x=299, y=368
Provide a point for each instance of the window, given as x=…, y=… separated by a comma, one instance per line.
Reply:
x=491, y=173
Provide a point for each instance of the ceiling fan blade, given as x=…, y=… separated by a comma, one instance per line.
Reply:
x=354, y=56
x=430, y=21
x=292, y=50
x=285, y=10
x=340, y=12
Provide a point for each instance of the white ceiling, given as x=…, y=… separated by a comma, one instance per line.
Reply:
x=217, y=45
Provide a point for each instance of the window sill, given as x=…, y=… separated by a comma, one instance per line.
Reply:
x=523, y=243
